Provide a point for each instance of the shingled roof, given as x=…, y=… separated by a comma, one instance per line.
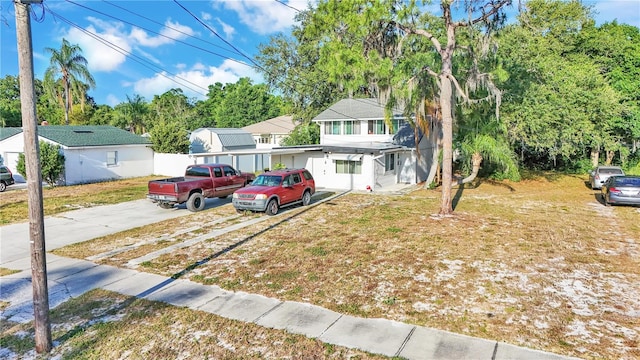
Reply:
x=79, y=135
x=7, y=132
x=355, y=109
x=279, y=125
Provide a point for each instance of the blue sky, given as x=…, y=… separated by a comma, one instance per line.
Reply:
x=149, y=47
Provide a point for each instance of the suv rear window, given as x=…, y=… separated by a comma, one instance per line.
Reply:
x=307, y=175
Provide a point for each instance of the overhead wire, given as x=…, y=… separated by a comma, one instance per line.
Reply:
x=162, y=35
x=162, y=72
x=218, y=35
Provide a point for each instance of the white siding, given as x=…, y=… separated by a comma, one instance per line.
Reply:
x=89, y=164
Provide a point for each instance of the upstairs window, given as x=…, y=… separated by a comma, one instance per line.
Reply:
x=397, y=124
x=352, y=127
x=377, y=127
x=332, y=128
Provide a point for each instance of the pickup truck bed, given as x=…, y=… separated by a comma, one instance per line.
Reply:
x=200, y=182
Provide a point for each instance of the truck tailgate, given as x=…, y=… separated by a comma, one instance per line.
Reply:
x=164, y=186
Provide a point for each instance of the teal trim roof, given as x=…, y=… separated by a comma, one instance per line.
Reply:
x=94, y=135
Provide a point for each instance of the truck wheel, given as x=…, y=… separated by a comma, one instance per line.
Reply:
x=306, y=198
x=165, y=205
x=196, y=202
x=272, y=207
x=3, y=186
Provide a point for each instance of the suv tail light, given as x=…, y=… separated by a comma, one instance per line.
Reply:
x=614, y=190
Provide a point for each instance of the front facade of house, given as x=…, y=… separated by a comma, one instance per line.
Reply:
x=92, y=153
x=360, y=150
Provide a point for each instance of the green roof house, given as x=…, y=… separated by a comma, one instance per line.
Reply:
x=92, y=153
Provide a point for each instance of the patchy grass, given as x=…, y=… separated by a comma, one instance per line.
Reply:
x=541, y=263
x=106, y=325
x=13, y=204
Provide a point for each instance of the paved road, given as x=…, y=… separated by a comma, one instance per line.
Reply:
x=71, y=277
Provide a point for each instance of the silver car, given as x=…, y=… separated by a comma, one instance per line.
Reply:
x=599, y=175
x=622, y=190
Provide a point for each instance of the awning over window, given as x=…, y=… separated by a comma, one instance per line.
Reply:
x=350, y=157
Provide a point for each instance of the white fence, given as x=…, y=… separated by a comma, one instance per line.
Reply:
x=174, y=164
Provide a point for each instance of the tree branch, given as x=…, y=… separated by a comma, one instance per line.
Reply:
x=494, y=8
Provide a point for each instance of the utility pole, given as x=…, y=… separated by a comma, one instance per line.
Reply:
x=34, y=177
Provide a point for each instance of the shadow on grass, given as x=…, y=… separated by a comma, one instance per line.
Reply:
x=325, y=196
x=474, y=185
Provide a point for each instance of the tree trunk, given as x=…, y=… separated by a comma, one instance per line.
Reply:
x=435, y=134
x=446, y=206
x=446, y=106
x=595, y=157
x=476, y=160
x=610, y=154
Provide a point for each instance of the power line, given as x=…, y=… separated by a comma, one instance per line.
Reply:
x=130, y=55
x=158, y=23
x=165, y=36
x=287, y=5
x=218, y=36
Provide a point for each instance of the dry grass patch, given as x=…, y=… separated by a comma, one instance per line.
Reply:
x=106, y=325
x=117, y=249
x=13, y=204
x=537, y=264
x=541, y=263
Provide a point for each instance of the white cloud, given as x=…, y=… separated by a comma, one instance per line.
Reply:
x=228, y=30
x=264, y=17
x=195, y=81
x=105, y=55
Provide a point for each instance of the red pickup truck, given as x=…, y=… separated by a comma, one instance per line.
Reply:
x=199, y=182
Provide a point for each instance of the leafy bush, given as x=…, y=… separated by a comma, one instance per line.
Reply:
x=51, y=163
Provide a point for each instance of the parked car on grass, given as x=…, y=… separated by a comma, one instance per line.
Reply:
x=599, y=175
x=621, y=190
x=273, y=190
x=6, y=178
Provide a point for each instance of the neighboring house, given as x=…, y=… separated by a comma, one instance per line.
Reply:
x=269, y=133
x=215, y=140
x=92, y=153
x=358, y=150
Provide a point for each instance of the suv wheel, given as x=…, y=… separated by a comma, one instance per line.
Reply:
x=3, y=186
x=306, y=198
x=272, y=207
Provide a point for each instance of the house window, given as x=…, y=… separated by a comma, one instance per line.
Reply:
x=352, y=127
x=332, y=128
x=389, y=162
x=264, y=140
x=112, y=158
x=348, y=167
x=377, y=127
x=397, y=124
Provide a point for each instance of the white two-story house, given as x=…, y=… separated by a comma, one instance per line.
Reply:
x=359, y=150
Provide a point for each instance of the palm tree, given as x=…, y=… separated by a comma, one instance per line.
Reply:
x=487, y=142
x=63, y=77
x=132, y=114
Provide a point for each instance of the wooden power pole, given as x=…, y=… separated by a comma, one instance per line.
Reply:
x=34, y=177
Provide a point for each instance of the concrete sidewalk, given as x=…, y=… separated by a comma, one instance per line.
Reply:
x=69, y=278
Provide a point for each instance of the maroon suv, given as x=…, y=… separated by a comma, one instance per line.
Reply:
x=275, y=189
